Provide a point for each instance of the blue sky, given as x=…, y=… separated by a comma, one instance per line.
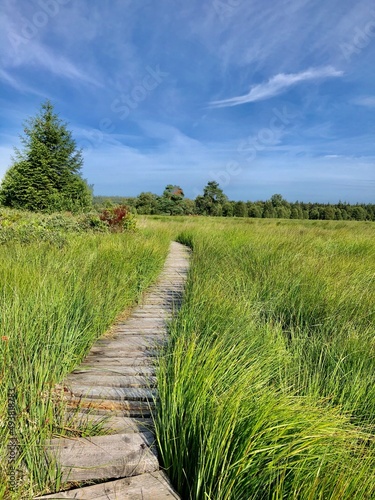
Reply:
x=263, y=97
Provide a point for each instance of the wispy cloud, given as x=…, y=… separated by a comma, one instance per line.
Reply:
x=19, y=85
x=368, y=101
x=277, y=85
x=40, y=56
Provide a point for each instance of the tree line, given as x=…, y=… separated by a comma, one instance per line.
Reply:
x=213, y=202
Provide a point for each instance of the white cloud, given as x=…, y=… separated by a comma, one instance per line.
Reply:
x=18, y=85
x=368, y=101
x=42, y=57
x=276, y=85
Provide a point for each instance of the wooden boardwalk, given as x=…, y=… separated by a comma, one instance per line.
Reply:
x=117, y=381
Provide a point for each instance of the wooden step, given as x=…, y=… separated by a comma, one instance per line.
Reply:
x=104, y=457
x=149, y=486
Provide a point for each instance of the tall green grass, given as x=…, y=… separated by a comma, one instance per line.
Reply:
x=55, y=302
x=267, y=387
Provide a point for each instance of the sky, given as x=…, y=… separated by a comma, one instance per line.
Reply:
x=263, y=97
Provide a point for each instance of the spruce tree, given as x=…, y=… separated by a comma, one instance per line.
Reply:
x=46, y=174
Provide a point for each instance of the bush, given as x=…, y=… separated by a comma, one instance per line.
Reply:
x=27, y=227
x=118, y=218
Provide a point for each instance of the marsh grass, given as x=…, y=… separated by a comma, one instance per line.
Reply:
x=266, y=390
x=267, y=387
x=55, y=302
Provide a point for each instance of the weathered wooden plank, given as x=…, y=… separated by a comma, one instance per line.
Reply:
x=126, y=351
x=110, y=370
x=118, y=408
x=146, y=306
x=115, y=393
x=147, y=313
x=103, y=457
x=110, y=423
x=132, y=342
x=144, y=319
x=138, y=360
x=142, y=331
x=149, y=486
x=154, y=341
x=134, y=337
x=110, y=380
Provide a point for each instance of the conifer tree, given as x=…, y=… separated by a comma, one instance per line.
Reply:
x=46, y=174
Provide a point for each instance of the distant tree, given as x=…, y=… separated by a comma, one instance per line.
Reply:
x=214, y=192
x=46, y=175
x=171, y=202
x=147, y=203
x=327, y=212
x=296, y=211
x=269, y=211
x=358, y=213
x=338, y=215
x=283, y=212
x=281, y=207
x=212, y=201
x=188, y=206
x=228, y=209
x=255, y=209
x=277, y=200
x=240, y=209
x=314, y=213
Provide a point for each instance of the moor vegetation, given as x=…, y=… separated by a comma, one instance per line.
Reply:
x=267, y=388
x=63, y=281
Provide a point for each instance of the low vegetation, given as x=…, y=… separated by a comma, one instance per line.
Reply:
x=61, y=287
x=267, y=389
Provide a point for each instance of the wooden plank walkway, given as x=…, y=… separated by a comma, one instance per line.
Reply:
x=116, y=380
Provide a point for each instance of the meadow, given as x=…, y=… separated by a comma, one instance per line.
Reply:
x=266, y=390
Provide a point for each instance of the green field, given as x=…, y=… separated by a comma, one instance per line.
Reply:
x=267, y=387
x=267, y=390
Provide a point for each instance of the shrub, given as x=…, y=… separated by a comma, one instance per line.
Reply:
x=118, y=218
